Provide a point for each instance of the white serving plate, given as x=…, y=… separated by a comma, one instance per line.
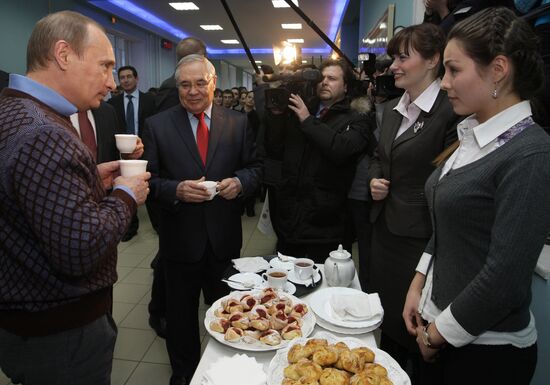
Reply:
x=320, y=304
x=277, y=365
x=256, y=346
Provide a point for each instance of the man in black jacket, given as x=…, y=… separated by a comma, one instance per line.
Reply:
x=316, y=151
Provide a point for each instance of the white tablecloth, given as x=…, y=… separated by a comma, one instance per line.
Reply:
x=214, y=349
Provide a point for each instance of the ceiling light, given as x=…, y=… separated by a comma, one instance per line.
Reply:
x=285, y=53
x=283, y=4
x=185, y=6
x=292, y=26
x=294, y=41
x=230, y=41
x=209, y=27
x=304, y=61
x=258, y=61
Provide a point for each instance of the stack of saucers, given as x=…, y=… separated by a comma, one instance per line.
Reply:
x=346, y=310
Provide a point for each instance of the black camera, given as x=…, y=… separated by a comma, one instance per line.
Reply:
x=383, y=85
x=300, y=80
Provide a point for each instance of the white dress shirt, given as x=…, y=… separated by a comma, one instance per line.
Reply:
x=195, y=122
x=76, y=125
x=410, y=110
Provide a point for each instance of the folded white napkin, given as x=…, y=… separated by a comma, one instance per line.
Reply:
x=356, y=307
x=250, y=264
x=237, y=370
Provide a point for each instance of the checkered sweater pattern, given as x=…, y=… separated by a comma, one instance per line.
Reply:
x=58, y=229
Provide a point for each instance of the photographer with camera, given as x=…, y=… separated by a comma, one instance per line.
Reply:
x=311, y=155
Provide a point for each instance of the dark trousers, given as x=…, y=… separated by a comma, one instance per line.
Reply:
x=359, y=211
x=184, y=282
x=481, y=364
x=81, y=356
x=409, y=359
x=157, y=305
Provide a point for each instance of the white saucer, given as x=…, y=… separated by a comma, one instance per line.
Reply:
x=294, y=278
x=343, y=330
x=244, y=277
x=289, y=287
x=278, y=264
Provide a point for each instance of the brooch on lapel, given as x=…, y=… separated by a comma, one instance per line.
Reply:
x=418, y=126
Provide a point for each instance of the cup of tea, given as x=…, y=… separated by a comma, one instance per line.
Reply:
x=303, y=268
x=211, y=188
x=276, y=278
x=126, y=143
x=132, y=167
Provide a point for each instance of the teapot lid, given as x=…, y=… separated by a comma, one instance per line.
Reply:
x=341, y=253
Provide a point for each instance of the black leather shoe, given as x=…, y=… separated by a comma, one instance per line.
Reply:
x=129, y=235
x=158, y=324
x=177, y=380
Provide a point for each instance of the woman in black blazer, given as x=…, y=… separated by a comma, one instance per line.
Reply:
x=415, y=129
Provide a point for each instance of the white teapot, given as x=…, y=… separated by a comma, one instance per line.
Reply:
x=339, y=268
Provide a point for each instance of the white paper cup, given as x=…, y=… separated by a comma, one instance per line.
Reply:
x=211, y=188
x=132, y=167
x=126, y=143
x=276, y=278
x=303, y=267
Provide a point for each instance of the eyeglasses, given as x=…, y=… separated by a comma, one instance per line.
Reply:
x=199, y=84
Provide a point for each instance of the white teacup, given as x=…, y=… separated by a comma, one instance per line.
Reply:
x=211, y=188
x=132, y=167
x=303, y=267
x=276, y=278
x=126, y=143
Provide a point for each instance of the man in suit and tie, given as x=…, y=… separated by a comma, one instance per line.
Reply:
x=198, y=237
x=132, y=107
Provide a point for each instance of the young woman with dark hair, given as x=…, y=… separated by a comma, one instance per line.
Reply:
x=415, y=129
x=468, y=304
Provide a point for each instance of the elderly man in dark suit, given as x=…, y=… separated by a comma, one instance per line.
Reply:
x=187, y=144
x=132, y=107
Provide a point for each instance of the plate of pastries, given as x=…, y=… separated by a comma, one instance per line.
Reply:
x=330, y=360
x=259, y=320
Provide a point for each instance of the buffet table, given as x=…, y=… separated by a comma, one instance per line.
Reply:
x=214, y=350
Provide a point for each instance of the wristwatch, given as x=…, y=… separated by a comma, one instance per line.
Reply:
x=426, y=337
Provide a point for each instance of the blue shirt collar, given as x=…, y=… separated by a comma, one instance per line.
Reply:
x=43, y=93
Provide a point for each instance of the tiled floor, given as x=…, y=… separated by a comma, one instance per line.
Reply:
x=140, y=356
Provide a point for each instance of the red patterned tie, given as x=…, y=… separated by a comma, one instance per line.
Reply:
x=202, y=136
x=323, y=111
x=87, y=132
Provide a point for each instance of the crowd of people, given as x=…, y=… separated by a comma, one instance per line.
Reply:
x=446, y=189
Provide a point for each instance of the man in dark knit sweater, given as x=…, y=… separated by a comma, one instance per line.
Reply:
x=59, y=229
